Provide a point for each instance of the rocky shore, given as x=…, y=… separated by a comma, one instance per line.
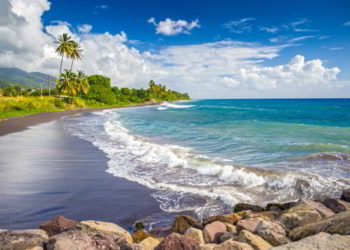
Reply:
x=304, y=224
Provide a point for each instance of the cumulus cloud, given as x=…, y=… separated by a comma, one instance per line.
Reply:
x=240, y=26
x=169, y=27
x=218, y=69
x=84, y=28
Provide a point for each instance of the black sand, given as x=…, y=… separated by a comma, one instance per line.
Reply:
x=44, y=172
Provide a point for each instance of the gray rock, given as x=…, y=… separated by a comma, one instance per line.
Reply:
x=228, y=236
x=22, y=239
x=273, y=232
x=299, y=216
x=337, y=224
x=245, y=206
x=86, y=240
x=321, y=241
x=346, y=195
x=335, y=205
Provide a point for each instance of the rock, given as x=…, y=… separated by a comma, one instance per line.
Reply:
x=299, y=216
x=139, y=225
x=149, y=244
x=227, y=245
x=23, y=239
x=345, y=196
x=230, y=228
x=245, y=206
x=266, y=215
x=105, y=227
x=273, y=232
x=280, y=206
x=195, y=234
x=256, y=242
x=335, y=205
x=337, y=224
x=161, y=231
x=87, y=240
x=213, y=231
x=139, y=236
x=184, y=222
x=228, y=236
x=177, y=241
x=319, y=207
x=321, y=241
x=227, y=218
x=248, y=224
x=57, y=225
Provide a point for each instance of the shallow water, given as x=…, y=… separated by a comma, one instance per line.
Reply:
x=207, y=155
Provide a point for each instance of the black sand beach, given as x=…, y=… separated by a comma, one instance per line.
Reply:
x=45, y=171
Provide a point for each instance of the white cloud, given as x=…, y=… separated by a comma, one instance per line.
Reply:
x=85, y=28
x=270, y=29
x=240, y=26
x=299, y=22
x=301, y=38
x=102, y=6
x=169, y=27
x=336, y=48
x=305, y=30
x=346, y=23
x=218, y=69
x=324, y=37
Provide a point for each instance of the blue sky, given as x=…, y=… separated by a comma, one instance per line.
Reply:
x=322, y=18
x=240, y=48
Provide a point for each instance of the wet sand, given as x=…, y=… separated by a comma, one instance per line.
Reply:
x=45, y=171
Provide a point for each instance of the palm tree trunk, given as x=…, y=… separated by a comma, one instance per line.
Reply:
x=71, y=67
x=61, y=67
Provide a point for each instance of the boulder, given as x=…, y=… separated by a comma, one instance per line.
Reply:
x=248, y=224
x=139, y=236
x=280, y=206
x=184, y=222
x=245, y=206
x=161, y=231
x=195, y=234
x=256, y=242
x=266, y=215
x=213, y=231
x=57, y=225
x=227, y=218
x=345, y=196
x=273, y=232
x=177, y=241
x=139, y=225
x=149, y=244
x=228, y=236
x=227, y=245
x=321, y=241
x=87, y=240
x=105, y=227
x=319, y=207
x=337, y=224
x=230, y=228
x=298, y=216
x=335, y=205
x=23, y=239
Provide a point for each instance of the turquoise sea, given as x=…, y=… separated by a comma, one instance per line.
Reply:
x=207, y=155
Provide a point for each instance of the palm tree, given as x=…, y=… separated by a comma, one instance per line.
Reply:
x=76, y=53
x=67, y=83
x=82, y=82
x=64, y=48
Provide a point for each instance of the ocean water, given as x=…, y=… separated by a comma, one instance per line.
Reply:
x=206, y=155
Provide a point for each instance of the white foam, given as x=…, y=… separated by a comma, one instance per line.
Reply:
x=176, y=106
x=162, y=108
x=175, y=169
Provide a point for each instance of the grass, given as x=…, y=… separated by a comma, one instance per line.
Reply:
x=19, y=106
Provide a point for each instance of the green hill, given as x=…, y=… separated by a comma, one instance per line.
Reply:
x=15, y=76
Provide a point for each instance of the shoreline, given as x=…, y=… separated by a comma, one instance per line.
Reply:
x=20, y=123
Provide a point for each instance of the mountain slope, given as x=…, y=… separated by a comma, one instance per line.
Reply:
x=15, y=76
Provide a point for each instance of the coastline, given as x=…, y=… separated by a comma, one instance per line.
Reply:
x=20, y=123
x=45, y=172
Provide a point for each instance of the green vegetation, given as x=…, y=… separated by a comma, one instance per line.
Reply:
x=76, y=90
